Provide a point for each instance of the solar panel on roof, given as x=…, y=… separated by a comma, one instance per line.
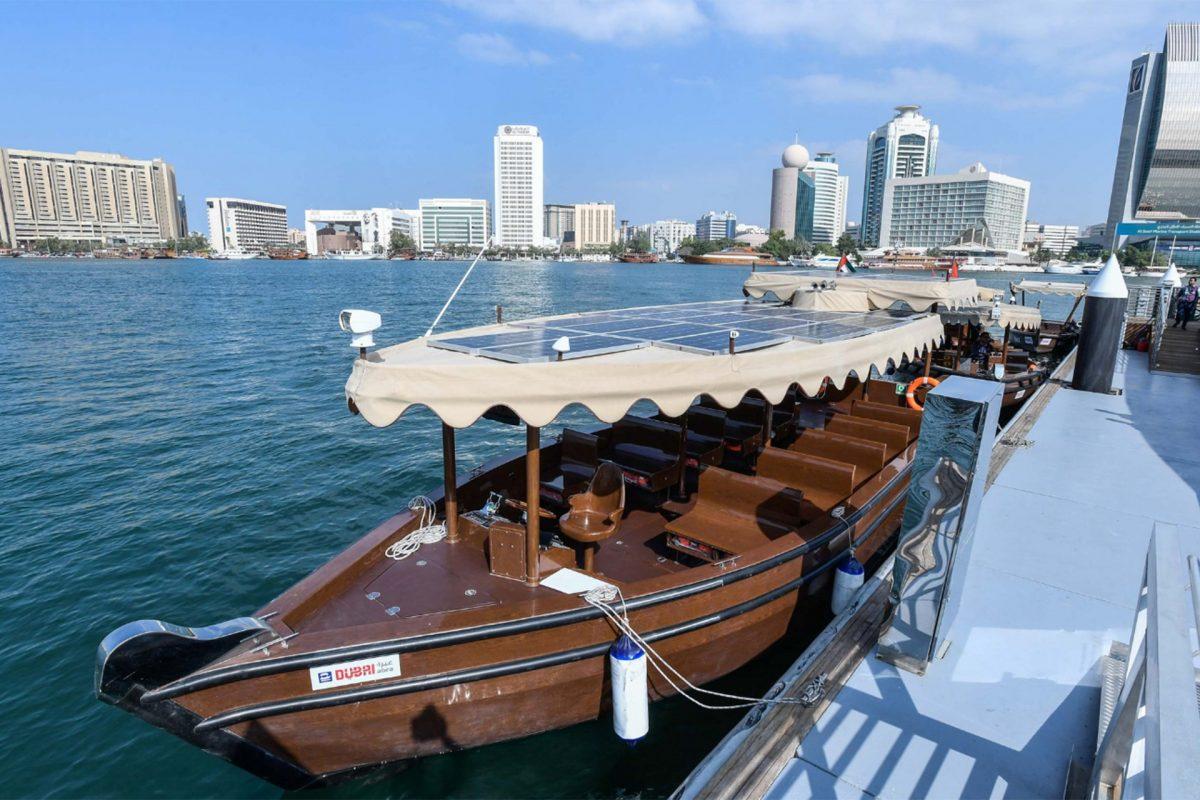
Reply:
x=472, y=344
x=612, y=325
x=825, y=332
x=715, y=342
x=770, y=323
x=581, y=347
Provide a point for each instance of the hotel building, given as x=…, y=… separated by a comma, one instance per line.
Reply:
x=667, y=234
x=456, y=221
x=938, y=210
x=1058, y=239
x=904, y=147
x=595, y=225
x=245, y=225
x=517, y=150
x=85, y=196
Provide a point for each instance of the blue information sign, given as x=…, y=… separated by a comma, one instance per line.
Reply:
x=1165, y=229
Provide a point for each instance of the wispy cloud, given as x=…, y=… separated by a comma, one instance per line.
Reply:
x=925, y=85
x=617, y=21
x=497, y=49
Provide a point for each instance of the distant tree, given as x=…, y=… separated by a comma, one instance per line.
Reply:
x=825, y=250
x=934, y=252
x=1042, y=255
x=692, y=246
x=846, y=246
x=400, y=242
x=1134, y=256
x=640, y=243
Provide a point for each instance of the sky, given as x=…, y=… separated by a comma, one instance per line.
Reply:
x=668, y=108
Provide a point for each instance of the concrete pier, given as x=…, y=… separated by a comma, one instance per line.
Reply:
x=1053, y=580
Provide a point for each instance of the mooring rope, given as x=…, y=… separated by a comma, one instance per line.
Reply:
x=428, y=530
x=602, y=596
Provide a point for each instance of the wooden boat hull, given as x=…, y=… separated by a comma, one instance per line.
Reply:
x=472, y=685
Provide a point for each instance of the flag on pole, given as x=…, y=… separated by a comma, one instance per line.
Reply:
x=954, y=268
x=844, y=266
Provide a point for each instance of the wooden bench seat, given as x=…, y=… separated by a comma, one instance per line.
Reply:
x=867, y=455
x=705, y=435
x=894, y=437
x=648, y=451
x=735, y=513
x=908, y=417
x=825, y=482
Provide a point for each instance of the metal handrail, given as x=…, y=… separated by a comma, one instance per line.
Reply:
x=1160, y=680
x=1161, y=307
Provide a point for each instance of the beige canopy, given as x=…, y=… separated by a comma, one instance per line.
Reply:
x=917, y=292
x=1052, y=287
x=1006, y=315
x=460, y=387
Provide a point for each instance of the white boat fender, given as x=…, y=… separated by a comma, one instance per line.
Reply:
x=630, y=691
x=847, y=580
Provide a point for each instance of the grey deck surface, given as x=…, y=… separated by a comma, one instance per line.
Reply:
x=1052, y=579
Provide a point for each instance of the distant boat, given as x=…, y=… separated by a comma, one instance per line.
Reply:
x=353, y=255
x=638, y=258
x=286, y=254
x=816, y=262
x=1062, y=268
x=739, y=256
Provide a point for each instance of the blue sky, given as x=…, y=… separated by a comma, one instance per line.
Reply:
x=665, y=107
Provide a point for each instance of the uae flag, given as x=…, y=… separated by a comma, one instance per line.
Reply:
x=845, y=267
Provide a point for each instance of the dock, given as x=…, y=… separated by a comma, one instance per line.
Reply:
x=1091, y=496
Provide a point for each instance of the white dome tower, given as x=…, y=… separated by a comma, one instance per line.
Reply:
x=795, y=156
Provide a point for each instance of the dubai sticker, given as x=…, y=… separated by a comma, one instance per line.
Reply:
x=345, y=673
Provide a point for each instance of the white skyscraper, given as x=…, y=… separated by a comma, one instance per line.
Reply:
x=829, y=203
x=518, y=175
x=906, y=147
x=241, y=225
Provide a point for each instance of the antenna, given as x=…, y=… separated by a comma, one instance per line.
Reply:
x=454, y=294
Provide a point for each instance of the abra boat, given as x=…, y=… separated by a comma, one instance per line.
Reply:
x=353, y=255
x=719, y=520
x=638, y=258
x=1055, y=337
x=287, y=254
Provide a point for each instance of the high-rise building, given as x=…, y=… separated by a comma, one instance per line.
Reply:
x=785, y=188
x=518, y=176
x=367, y=230
x=716, y=225
x=829, y=203
x=559, y=220
x=595, y=225
x=98, y=197
x=1157, y=175
x=454, y=220
x=904, y=147
x=1057, y=239
x=973, y=204
x=181, y=212
x=245, y=225
x=667, y=234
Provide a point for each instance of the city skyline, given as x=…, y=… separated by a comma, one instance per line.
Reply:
x=999, y=90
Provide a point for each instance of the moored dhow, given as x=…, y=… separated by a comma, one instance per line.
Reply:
x=479, y=613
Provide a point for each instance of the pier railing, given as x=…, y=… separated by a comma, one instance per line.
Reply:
x=1150, y=743
x=1161, y=310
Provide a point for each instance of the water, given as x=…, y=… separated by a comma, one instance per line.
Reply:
x=175, y=444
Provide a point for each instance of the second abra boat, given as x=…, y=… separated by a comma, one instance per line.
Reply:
x=482, y=613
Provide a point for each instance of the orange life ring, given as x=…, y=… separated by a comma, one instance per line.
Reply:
x=910, y=394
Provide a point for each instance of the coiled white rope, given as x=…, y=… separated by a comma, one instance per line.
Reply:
x=602, y=596
x=428, y=530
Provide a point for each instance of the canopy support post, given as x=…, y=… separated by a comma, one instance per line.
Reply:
x=533, y=490
x=450, y=479
x=1073, y=309
x=928, y=360
x=1004, y=349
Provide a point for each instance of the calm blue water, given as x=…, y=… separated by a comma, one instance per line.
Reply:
x=175, y=444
